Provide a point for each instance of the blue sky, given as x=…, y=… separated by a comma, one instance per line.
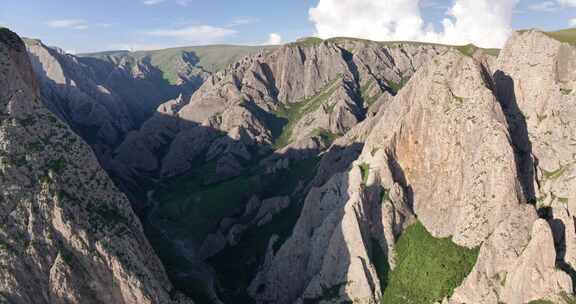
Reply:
x=87, y=25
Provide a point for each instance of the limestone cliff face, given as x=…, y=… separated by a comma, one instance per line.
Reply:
x=444, y=132
x=535, y=79
x=535, y=74
x=447, y=151
x=422, y=139
x=67, y=235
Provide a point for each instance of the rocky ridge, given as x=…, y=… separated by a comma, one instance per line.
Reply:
x=289, y=97
x=104, y=96
x=472, y=148
x=266, y=113
x=67, y=235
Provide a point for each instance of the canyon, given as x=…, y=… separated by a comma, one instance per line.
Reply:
x=319, y=171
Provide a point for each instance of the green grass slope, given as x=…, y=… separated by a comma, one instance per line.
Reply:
x=427, y=269
x=567, y=35
x=293, y=113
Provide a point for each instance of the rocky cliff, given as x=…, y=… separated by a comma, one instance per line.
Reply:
x=287, y=99
x=475, y=150
x=104, y=96
x=257, y=128
x=67, y=235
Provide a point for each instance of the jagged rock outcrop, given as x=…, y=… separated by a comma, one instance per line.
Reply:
x=71, y=90
x=325, y=250
x=440, y=151
x=295, y=100
x=323, y=89
x=105, y=96
x=400, y=152
x=448, y=125
x=536, y=77
x=528, y=83
x=67, y=235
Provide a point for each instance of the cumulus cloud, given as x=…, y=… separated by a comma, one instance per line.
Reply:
x=196, y=34
x=77, y=24
x=466, y=21
x=274, y=39
x=572, y=22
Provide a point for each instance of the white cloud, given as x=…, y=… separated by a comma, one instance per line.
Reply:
x=572, y=22
x=77, y=24
x=196, y=34
x=152, y=2
x=467, y=21
x=274, y=39
x=183, y=2
x=546, y=6
x=567, y=2
x=243, y=21
x=137, y=46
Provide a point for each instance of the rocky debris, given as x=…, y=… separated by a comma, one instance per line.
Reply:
x=67, y=235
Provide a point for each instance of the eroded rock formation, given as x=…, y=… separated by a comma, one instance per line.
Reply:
x=67, y=235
